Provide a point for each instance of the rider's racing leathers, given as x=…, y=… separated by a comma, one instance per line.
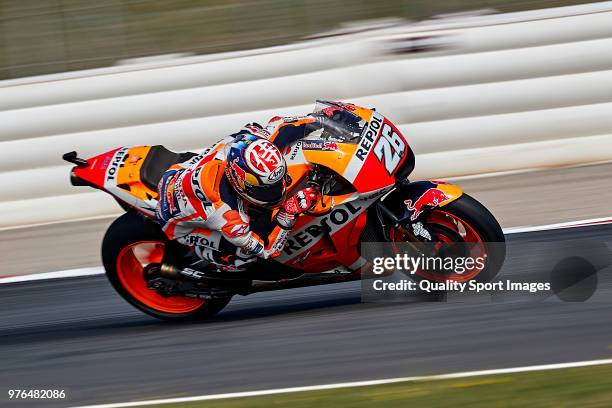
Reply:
x=198, y=207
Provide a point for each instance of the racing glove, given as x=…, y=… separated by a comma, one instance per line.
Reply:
x=297, y=204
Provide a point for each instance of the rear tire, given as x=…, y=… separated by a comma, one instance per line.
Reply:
x=122, y=257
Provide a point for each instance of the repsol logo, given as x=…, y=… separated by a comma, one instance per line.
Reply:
x=295, y=150
x=368, y=138
x=200, y=241
x=195, y=184
x=337, y=217
x=116, y=164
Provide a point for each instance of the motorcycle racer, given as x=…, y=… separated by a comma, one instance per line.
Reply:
x=355, y=156
x=204, y=202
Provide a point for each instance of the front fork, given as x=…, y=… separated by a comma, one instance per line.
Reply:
x=395, y=221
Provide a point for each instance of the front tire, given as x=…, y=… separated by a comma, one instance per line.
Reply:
x=132, y=242
x=465, y=220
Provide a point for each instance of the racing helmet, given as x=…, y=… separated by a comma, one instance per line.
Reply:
x=256, y=170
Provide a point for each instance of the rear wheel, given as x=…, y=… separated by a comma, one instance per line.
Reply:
x=132, y=243
x=468, y=222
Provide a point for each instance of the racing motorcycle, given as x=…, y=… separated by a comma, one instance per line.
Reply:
x=362, y=173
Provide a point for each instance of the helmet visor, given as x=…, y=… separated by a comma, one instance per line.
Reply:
x=268, y=195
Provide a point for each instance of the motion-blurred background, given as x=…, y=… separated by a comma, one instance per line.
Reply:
x=41, y=37
x=511, y=99
x=478, y=87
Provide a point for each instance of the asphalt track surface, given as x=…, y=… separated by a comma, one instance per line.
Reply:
x=77, y=334
x=533, y=198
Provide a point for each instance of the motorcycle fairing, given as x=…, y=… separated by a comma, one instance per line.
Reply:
x=416, y=198
x=372, y=164
x=334, y=155
x=118, y=173
x=322, y=243
x=378, y=158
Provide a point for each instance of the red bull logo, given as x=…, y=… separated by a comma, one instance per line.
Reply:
x=239, y=173
x=429, y=198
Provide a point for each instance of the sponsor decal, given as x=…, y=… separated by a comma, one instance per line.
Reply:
x=192, y=273
x=253, y=247
x=419, y=231
x=369, y=135
x=239, y=173
x=178, y=181
x=431, y=198
x=201, y=241
x=116, y=163
x=197, y=188
x=277, y=174
x=194, y=160
x=170, y=195
x=179, y=192
x=337, y=217
x=263, y=157
x=319, y=145
x=376, y=194
x=389, y=148
x=279, y=242
x=330, y=146
x=237, y=230
x=257, y=129
x=296, y=149
x=105, y=163
x=180, y=197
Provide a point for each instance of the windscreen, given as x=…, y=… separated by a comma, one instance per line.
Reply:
x=338, y=123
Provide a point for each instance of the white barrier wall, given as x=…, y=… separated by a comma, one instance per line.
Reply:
x=497, y=93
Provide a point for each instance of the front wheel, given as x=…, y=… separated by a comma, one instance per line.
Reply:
x=469, y=223
x=131, y=243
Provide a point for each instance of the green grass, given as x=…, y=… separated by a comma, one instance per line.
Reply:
x=38, y=37
x=575, y=387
